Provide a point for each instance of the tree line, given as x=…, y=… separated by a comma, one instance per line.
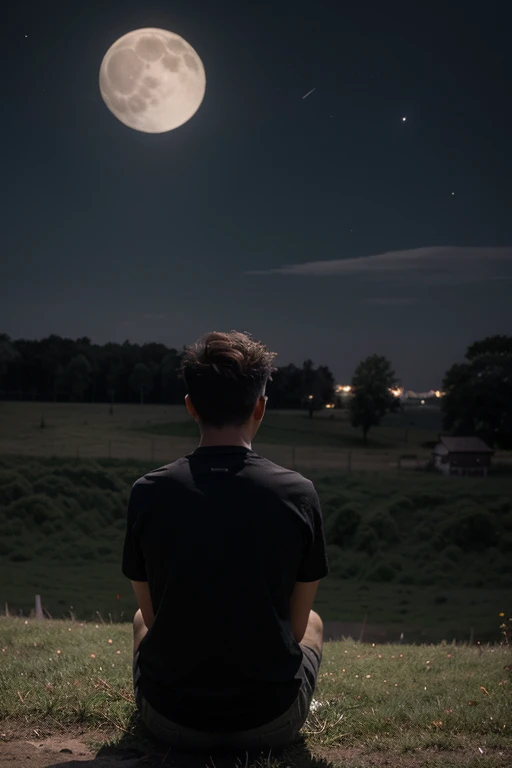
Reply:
x=57, y=369
x=477, y=399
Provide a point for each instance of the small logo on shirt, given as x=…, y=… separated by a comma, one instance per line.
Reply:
x=219, y=469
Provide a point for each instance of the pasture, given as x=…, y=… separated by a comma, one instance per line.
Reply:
x=164, y=433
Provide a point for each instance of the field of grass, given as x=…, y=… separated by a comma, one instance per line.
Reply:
x=394, y=705
x=413, y=552
x=163, y=433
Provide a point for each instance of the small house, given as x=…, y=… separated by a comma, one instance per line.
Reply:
x=462, y=456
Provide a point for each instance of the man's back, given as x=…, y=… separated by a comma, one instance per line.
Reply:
x=222, y=536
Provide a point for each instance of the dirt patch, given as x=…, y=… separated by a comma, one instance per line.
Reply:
x=43, y=753
x=75, y=749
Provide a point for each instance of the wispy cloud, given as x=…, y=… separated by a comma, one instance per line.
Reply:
x=446, y=265
x=390, y=301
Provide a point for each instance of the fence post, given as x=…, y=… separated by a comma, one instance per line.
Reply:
x=6, y=610
x=39, y=610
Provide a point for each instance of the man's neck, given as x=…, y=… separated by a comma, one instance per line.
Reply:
x=218, y=437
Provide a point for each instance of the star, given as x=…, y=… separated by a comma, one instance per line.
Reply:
x=453, y=193
x=404, y=119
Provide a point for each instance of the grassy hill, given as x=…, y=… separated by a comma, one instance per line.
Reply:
x=421, y=553
x=400, y=706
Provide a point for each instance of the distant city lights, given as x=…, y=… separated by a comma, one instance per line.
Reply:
x=399, y=392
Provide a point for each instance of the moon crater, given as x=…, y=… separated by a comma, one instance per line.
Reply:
x=149, y=48
x=152, y=80
x=124, y=69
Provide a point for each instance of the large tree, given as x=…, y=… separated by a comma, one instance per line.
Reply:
x=141, y=380
x=8, y=355
x=478, y=392
x=78, y=377
x=371, y=397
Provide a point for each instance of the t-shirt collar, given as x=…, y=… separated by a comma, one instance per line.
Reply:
x=220, y=449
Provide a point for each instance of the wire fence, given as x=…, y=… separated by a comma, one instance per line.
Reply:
x=162, y=450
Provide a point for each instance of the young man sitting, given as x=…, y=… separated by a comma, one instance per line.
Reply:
x=225, y=551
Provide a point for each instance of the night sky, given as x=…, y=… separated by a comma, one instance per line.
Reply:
x=327, y=226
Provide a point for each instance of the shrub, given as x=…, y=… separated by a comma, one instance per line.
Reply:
x=20, y=556
x=471, y=527
x=366, y=540
x=341, y=525
x=15, y=489
x=425, y=499
x=36, y=507
x=90, y=475
x=52, y=485
x=382, y=572
x=384, y=526
x=453, y=553
x=399, y=505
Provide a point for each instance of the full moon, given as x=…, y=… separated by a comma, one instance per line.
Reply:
x=152, y=80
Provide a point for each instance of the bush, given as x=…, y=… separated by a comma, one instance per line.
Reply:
x=426, y=499
x=16, y=488
x=399, y=505
x=453, y=553
x=471, y=527
x=341, y=525
x=52, y=486
x=36, y=508
x=384, y=526
x=90, y=475
x=366, y=540
x=382, y=572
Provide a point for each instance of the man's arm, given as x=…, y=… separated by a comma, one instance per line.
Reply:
x=301, y=602
x=143, y=597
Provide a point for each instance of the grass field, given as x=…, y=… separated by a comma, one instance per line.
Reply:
x=163, y=433
x=393, y=705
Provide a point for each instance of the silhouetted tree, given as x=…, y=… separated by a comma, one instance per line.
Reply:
x=371, y=398
x=141, y=380
x=78, y=376
x=478, y=392
x=8, y=354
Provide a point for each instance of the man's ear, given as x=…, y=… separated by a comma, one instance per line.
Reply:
x=190, y=407
x=259, y=411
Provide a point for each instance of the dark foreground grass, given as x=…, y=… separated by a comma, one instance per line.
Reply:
x=374, y=705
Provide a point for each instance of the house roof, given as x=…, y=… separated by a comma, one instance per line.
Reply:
x=465, y=445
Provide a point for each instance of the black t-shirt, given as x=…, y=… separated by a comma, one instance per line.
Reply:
x=222, y=535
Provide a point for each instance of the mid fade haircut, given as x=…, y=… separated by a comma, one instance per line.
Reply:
x=225, y=374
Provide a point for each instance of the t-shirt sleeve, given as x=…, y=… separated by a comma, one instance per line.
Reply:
x=314, y=565
x=133, y=565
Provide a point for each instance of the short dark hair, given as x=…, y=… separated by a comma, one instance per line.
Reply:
x=225, y=374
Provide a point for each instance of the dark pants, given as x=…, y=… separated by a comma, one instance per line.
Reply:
x=276, y=734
